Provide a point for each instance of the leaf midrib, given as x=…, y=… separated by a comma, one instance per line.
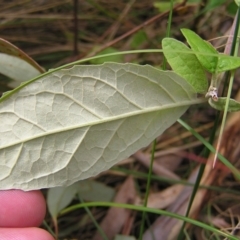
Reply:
x=110, y=119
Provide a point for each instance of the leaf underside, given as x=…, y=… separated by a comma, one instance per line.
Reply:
x=75, y=123
x=234, y=106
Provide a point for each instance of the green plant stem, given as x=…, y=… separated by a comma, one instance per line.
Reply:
x=212, y=149
x=164, y=65
x=7, y=94
x=140, y=175
x=234, y=51
x=101, y=232
x=206, y=150
x=155, y=142
x=205, y=154
x=149, y=210
x=45, y=224
x=147, y=189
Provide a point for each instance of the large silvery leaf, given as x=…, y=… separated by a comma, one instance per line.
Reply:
x=75, y=123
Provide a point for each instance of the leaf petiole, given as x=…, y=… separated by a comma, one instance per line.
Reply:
x=213, y=89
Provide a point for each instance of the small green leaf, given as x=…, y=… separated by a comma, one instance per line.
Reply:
x=94, y=191
x=211, y=4
x=59, y=197
x=197, y=44
x=226, y=63
x=234, y=106
x=237, y=2
x=213, y=64
x=163, y=6
x=138, y=39
x=232, y=8
x=185, y=64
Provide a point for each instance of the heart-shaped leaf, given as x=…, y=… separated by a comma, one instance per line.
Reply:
x=185, y=64
x=199, y=45
x=214, y=64
x=75, y=123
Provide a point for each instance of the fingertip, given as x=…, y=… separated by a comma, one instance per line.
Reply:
x=25, y=233
x=21, y=209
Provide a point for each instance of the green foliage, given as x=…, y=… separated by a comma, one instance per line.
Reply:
x=190, y=64
x=196, y=43
x=226, y=63
x=211, y=4
x=163, y=6
x=87, y=111
x=73, y=110
x=232, y=8
x=60, y=197
x=185, y=64
x=233, y=106
x=70, y=124
x=209, y=58
x=237, y=2
x=139, y=38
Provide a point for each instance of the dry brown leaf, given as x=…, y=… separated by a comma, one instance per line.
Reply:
x=166, y=227
x=116, y=218
x=157, y=168
x=164, y=198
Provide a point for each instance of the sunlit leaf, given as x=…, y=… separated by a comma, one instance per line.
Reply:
x=75, y=123
x=199, y=45
x=226, y=63
x=185, y=64
x=237, y=2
